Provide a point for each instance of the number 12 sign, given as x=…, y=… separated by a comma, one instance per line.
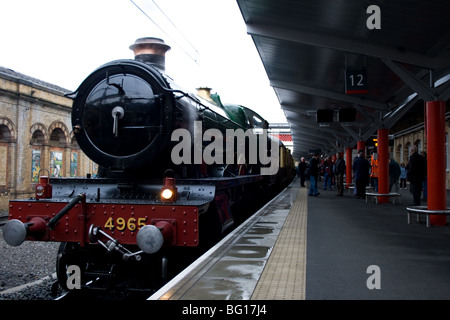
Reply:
x=356, y=81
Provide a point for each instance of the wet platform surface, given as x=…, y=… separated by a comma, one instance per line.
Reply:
x=322, y=248
x=231, y=270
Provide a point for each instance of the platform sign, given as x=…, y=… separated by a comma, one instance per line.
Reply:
x=356, y=81
x=324, y=115
x=346, y=115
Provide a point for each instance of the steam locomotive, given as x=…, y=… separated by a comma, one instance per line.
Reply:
x=177, y=171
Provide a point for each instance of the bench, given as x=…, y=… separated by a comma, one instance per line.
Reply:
x=375, y=196
x=351, y=189
x=423, y=210
x=347, y=185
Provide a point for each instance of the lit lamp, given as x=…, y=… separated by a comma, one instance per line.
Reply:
x=168, y=190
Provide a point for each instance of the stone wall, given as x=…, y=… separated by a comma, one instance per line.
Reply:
x=35, y=134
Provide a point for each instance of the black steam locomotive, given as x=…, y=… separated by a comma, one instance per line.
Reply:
x=176, y=172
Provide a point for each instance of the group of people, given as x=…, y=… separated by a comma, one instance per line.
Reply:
x=333, y=172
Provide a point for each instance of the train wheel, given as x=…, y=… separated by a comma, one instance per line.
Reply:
x=68, y=254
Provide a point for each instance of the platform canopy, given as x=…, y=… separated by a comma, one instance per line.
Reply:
x=368, y=60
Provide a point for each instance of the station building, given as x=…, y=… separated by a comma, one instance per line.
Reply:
x=35, y=134
x=411, y=131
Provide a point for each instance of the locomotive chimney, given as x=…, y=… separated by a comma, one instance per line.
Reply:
x=205, y=93
x=151, y=50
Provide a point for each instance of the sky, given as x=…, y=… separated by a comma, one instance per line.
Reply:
x=62, y=42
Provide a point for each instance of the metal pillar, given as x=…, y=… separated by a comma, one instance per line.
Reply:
x=437, y=194
x=383, y=164
x=348, y=163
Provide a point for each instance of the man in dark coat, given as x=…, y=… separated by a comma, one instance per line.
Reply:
x=417, y=170
x=302, y=171
x=361, y=171
x=314, y=175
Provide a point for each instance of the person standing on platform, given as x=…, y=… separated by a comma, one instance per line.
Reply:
x=314, y=175
x=394, y=175
x=402, y=176
x=417, y=170
x=361, y=169
x=302, y=171
x=339, y=171
x=327, y=176
x=374, y=171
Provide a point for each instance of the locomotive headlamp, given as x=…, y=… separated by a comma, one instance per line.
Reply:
x=43, y=188
x=168, y=190
x=166, y=194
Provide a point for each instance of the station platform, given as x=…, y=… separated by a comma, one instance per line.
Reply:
x=300, y=247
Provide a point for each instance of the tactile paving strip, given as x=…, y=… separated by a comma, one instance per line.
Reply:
x=284, y=276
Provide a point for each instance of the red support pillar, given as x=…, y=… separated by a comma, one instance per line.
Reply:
x=437, y=195
x=383, y=164
x=348, y=163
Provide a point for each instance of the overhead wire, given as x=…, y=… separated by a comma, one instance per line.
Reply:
x=167, y=34
x=176, y=28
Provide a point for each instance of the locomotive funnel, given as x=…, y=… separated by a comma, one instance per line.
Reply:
x=150, y=50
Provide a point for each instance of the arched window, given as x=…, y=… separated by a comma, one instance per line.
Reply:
x=5, y=134
x=5, y=139
x=38, y=141
x=57, y=143
x=57, y=138
x=418, y=143
x=7, y=131
x=37, y=138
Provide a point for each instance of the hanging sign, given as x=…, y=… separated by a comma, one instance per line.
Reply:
x=356, y=81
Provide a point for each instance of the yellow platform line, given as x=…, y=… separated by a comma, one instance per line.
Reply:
x=284, y=276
